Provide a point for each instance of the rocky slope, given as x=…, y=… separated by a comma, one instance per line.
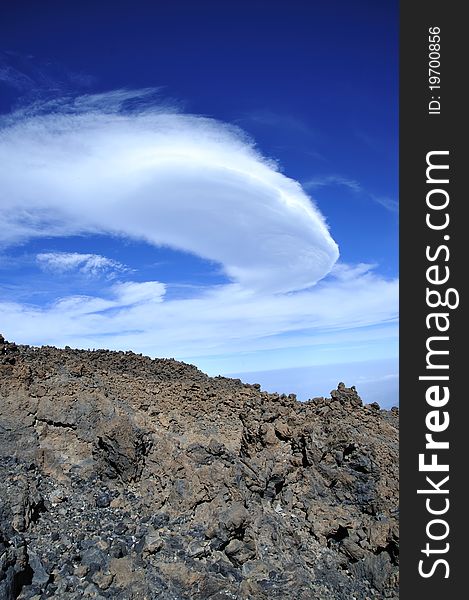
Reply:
x=130, y=478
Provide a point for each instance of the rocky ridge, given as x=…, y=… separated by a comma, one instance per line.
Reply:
x=130, y=478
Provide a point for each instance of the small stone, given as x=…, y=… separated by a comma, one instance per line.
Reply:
x=118, y=549
x=103, y=500
x=153, y=542
x=160, y=520
x=239, y=552
x=196, y=549
x=352, y=549
x=81, y=571
x=92, y=591
x=117, y=503
x=57, y=496
x=103, y=580
x=102, y=545
x=120, y=528
x=94, y=558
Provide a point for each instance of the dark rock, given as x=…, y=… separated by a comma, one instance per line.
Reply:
x=152, y=542
x=120, y=528
x=352, y=549
x=40, y=576
x=118, y=549
x=94, y=558
x=196, y=550
x=239, y=552
x=103, y=500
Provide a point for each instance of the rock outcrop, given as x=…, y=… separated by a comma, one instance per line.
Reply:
x=130, y=478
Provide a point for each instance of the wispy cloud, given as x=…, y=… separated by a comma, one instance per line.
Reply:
x=219, y=320
x=277, y=120
x=88, y=264
x=389, y=204
x=31, y=76
x=344, y=272
x=326, y=180
x=133, y=293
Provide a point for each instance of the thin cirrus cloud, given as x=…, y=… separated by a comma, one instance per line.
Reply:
x=326, y=180
x=194, y=184
x=89, y=264
x=29, y=75
x=389, y=204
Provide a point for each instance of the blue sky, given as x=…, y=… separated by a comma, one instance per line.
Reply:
x=211, y=181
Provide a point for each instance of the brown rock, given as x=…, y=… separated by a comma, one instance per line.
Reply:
x=139, y=478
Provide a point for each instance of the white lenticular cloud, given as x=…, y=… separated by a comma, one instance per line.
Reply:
x=184, y=181
x=89, y=264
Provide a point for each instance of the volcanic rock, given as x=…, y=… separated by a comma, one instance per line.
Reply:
x=130, y=478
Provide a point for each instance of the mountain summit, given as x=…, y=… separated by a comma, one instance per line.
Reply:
x=130, y=478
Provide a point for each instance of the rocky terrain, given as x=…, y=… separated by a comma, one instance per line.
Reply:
x=130, y=478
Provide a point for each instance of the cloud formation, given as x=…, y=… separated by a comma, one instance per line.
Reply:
x=326, y=180
x=222, y=319
x=184, y=181
x=88, y=264
x=313, y=183
x=115, y=164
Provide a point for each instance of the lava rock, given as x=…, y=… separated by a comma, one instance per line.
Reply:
x=127, y=477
